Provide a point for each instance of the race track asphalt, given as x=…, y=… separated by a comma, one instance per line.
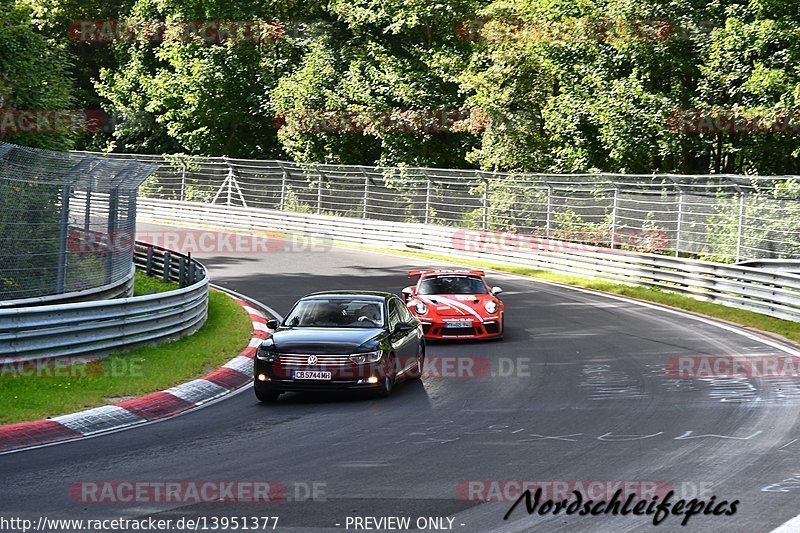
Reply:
x=577, y=391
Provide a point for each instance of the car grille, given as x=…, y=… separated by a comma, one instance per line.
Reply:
x=452, y=332
x=322, y=360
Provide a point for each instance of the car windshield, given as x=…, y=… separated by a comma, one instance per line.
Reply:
x=452, y=285
x=336, y=313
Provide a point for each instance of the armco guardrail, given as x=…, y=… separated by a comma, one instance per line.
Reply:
x=95, y=327
x=772, y=293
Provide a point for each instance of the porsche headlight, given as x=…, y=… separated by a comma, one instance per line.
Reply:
x=491, y=307
x=420, y=308
x=366, y=357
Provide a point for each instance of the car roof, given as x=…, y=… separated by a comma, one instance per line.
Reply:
x=366, y=295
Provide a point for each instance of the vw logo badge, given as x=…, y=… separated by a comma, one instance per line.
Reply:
x=312, y=360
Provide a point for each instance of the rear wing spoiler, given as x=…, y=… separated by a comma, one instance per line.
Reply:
x=416, y=273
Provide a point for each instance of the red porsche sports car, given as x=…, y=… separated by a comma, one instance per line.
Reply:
x=455, y=304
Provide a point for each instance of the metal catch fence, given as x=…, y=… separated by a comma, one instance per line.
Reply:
x=723, y=218
x=49, y=203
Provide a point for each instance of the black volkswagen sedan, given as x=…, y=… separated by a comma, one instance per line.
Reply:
x=355, y=340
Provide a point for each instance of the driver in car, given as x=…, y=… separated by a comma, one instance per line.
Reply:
x=370, y=313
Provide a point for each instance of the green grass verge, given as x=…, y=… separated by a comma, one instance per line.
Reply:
x=134, y=373
x=785, y=328
x=144, y=285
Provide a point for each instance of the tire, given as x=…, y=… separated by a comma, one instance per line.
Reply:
x=502, y=328
x=417, y=373
x=266, y=395
x=387, y=383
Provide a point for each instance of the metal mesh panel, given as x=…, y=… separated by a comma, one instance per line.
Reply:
x=66, y=221
x=717, y=217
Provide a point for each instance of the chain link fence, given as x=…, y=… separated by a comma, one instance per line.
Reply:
x=722, y=218
x=67, y=222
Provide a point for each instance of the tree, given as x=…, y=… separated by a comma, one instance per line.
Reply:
x=33, y=76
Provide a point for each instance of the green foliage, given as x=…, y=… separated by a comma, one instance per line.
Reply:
x=569, y=86
x=33, y=76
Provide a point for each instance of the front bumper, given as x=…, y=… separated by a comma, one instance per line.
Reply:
x=436, y=330
x=278, y=377
x=316, y=386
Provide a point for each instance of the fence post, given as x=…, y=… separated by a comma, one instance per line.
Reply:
x=283, y=186
x=61, y=274
x=87, y=218
x=319, y=191
x=679, y=231
x=366, y=192
x=614, y=217
x=740, y=235
x=485, y=217
x=113, y=219
x=183, y=178
x=427, y=196
x=229, y=179
x=549, y=219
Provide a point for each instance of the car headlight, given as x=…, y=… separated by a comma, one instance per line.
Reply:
x=491, y=307
x=265, y=353
x=366, y=357
x=420, y=308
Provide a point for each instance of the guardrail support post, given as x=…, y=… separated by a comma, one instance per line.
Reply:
x=148, y=266
x=181, y=271
x=167, y=267
x=189, y=270
x=61, y=274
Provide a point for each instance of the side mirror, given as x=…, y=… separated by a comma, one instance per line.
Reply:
x=402, y=327
x=408, y=292
x=272, y=324
x=497, y=290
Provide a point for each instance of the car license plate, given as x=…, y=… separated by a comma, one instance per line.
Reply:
x=458, y=324
x=310, y=374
